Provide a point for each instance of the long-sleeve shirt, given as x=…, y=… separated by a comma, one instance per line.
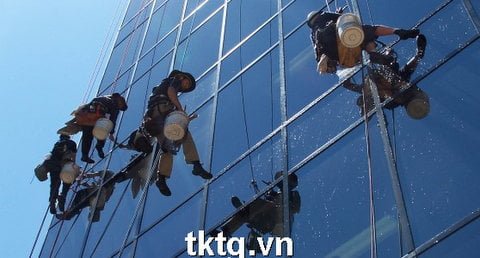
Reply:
x=109, y=107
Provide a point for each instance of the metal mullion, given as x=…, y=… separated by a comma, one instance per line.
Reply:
x=216, y=91
x=472, y=14
x=179, y=32
x=283, y=131
x=470, y=218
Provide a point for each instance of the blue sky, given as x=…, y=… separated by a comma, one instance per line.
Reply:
x=48, y=52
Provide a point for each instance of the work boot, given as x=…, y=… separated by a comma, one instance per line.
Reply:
x=236, y=202
x=421, y=45
x=407, y=34
x=198, y=170
x=52, y=208
x=61, y=203
x=100, y=152
x=162, y=186
x=87, y=159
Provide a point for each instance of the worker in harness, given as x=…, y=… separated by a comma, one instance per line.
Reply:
x=329, y=50
x=161, y=103
x=86, y=116
x=393, y=82
x=88, y=196
x=63, y=151
x=265, y=214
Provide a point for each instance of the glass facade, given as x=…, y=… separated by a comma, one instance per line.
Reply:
x=381, y=184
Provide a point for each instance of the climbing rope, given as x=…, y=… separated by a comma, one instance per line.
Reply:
x=373, y=244
x=244, y=113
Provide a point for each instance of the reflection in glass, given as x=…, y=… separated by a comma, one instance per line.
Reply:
x=264, y=215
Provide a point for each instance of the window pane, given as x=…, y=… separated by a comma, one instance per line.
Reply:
x=250, y=50
x=49, y=240
x=258, y=167
x=201, y=45
x=333, y=186
x=446, y=141
x=304, y=84
x=207, y=8
x=463, y=243
x=243, y=17
x=163, y=20
x=248, y=109
x=330, y=116
x=168, y=237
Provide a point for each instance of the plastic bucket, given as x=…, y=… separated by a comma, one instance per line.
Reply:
x=350, y=30
x=419, y=106
x=69, y=172
x=102, y=128
x=176, y=125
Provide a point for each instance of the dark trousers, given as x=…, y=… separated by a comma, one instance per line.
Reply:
x=54, y=168
x=87, y=138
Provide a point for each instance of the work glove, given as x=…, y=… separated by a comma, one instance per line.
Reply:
x=406, y=34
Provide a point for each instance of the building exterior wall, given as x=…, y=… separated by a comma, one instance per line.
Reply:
x=263, y=108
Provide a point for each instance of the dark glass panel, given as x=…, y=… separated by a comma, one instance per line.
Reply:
x=297, y=13
x=243, y=17
x=134, y=8
x=114, y=235
x=168, y=237
x=322, y=122
x=200, y=50
x=249, y=106
x=463, y=243
x=251, y=50
x=163, y=21
x=50, y=239
x=259, y=167
x=206, y=9
x=437, y=156
x=334, y=218
x=304, y=84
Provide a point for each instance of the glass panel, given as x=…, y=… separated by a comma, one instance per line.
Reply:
x=248, y=109
x=133, y=23
x=163, y=21
x=463, y=243
x=70, y=231
x=122, y=57
x=333, y=186
x=120, y=85
x=201, y=45
x=445, y=32
x=182, y=183
x=133, y=8
x=137, y=100
x=322, y=122
x=446, y=141
x=256, y=169
x=296, y=14
x=262, y=217
x=157, y=243
x=243, y=17
x=49, y=240
x=204, y=89
x=251, y=50
x=159, y=52
x=118, y=225
x=304, y=84
x=199, y=16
